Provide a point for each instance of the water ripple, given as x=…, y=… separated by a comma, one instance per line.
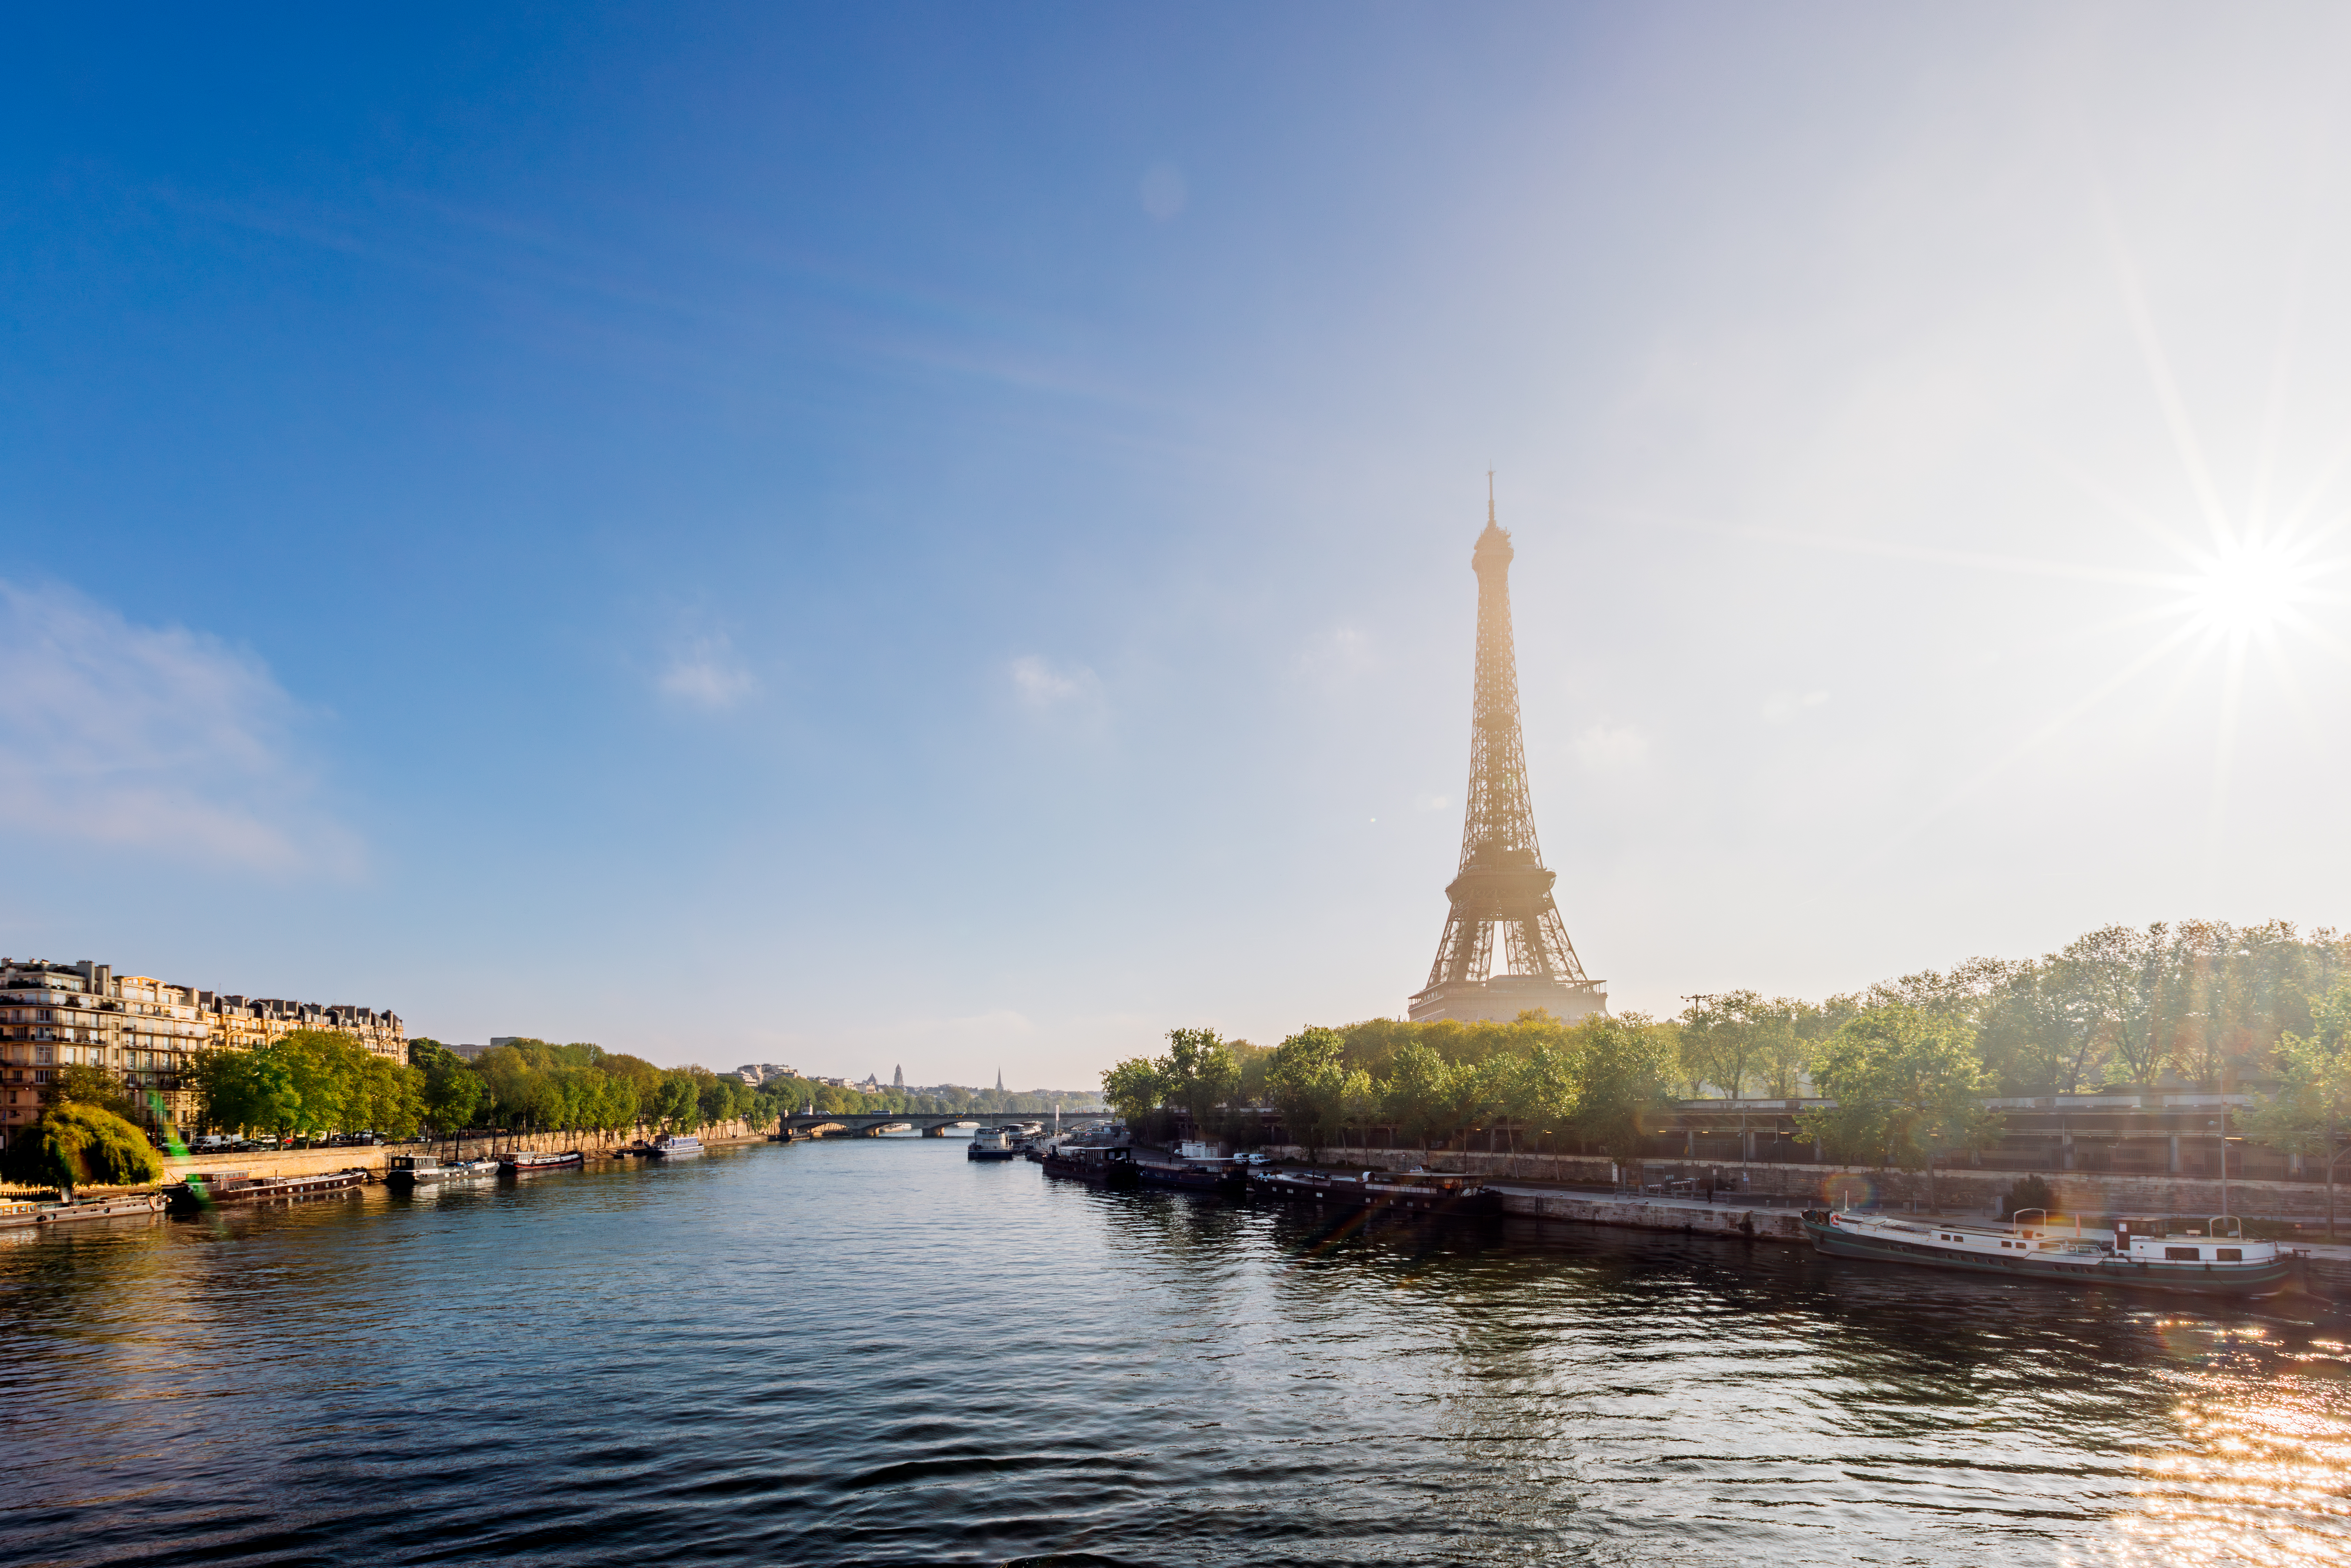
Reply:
x=877, y=1352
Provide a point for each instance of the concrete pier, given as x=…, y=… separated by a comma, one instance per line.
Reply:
x=1681, y=1216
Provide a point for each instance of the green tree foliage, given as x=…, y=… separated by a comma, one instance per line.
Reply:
x=1199, y=1073
x=1134, y=1090
x=2312, y=1107
x=1624, y=1068
x=87, y=1085
x=309, y=1083
x=1908, y=1087
x=77, y=1144
x=453, y=1092
x=1418, y=1093
x=2201, y=1002
x=677, y=1105
x=1306, y=1077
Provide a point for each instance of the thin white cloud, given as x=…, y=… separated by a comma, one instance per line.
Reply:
x=706, y=676
x=155, y=738
x=1041, y=685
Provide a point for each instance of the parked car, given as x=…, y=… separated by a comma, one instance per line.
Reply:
x=213, y=1143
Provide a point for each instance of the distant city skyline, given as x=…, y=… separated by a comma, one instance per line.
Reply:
x=940, y=537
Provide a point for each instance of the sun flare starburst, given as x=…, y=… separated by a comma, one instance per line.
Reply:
x=2246, y=588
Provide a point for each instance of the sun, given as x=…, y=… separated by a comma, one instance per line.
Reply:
x=2246, y=588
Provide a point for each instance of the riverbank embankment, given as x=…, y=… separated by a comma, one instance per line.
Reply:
x=1960, y=1192
x=375, y=1158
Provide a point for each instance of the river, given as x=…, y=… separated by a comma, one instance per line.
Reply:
x=875, y=1351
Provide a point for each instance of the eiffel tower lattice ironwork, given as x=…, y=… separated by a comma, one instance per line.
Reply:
x=1502, y=885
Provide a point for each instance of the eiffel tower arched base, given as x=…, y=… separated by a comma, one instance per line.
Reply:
x=1505, y=997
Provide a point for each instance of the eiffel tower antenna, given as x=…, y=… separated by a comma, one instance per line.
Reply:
x=1503, y=885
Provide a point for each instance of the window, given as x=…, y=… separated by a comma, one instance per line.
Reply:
x=2230, y=1254
x=2180, y=1254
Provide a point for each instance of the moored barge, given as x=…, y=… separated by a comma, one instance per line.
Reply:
x=427, y=1170
x=14, y=1215
x=224, y=1189
x=1103, y=1167
x=1409, y=1192
x=2207, y=1262
x=524, y=1162
x=1193, y=1175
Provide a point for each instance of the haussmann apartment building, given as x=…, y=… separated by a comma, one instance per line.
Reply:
x=145, y=1031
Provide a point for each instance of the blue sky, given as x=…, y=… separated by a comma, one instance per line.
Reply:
x=940, y=536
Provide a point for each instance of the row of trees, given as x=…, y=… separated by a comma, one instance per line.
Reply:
x=1593, y=1083
x=2201, y=1002
x=1905, y=1078
x=314, y=1082
x=310, y=1084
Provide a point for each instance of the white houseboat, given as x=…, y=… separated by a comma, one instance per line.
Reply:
x=2215, y=1260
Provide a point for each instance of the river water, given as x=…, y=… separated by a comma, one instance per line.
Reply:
x=875, y=1351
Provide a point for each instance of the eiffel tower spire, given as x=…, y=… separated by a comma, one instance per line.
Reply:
x=1503, y=885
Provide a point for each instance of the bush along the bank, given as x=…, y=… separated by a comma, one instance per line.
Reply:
x=2024, y=1193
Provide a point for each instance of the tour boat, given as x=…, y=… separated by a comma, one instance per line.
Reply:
x=2207, y=1262
x=676, y=1145
x=992, y=1144
x=1403, y=1192
x=525, y=1163
x=224, y=1189
x=1096, y=1165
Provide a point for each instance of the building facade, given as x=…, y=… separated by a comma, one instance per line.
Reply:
x=145, y=1032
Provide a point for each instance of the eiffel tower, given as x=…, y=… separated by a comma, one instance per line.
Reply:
x=1501, y=885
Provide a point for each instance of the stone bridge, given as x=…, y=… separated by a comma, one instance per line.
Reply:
x=931, y=1124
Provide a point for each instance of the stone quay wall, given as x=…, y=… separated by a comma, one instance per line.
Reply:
x=1727, y=1218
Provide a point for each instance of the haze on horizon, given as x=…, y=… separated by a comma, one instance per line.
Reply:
x=939, y=537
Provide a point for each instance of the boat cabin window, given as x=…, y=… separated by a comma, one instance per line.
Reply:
x=2180, y=1254
x=2230, y=1254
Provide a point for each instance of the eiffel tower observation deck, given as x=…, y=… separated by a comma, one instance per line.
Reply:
x=1502, y=885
